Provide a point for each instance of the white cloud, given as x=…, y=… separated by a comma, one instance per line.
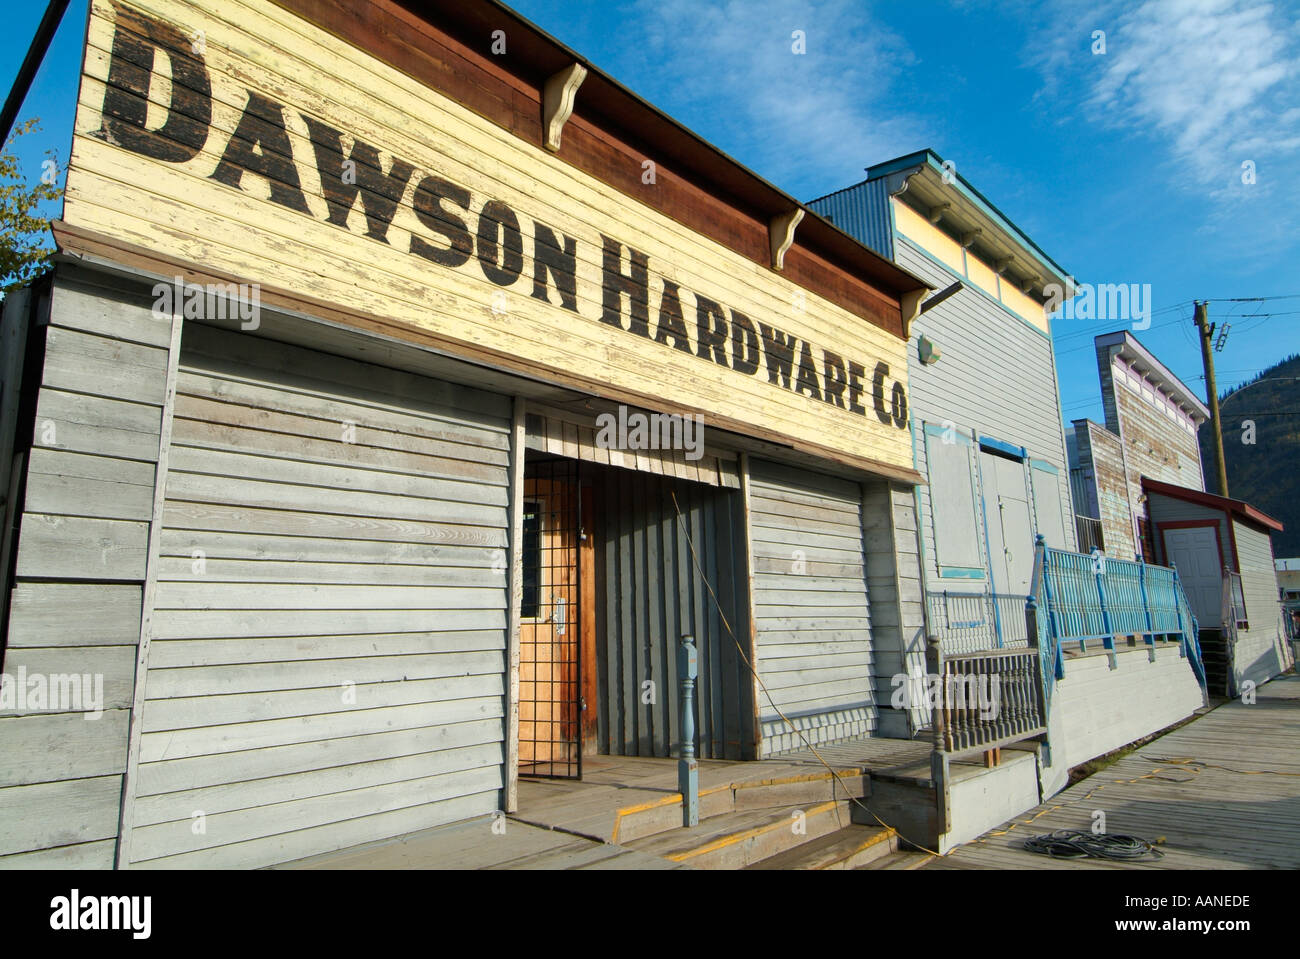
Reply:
x=818, y=118
x=1216, y=82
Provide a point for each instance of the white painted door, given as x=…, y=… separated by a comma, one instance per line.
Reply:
x=1010, y=526
x=1195, y=552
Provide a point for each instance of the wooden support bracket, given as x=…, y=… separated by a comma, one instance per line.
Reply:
x=911, y=304
x=557, y=102
x=780, y=233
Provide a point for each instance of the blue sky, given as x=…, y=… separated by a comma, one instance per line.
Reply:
x=1126, y=166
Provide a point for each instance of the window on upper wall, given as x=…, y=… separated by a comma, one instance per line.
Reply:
x=953, y=510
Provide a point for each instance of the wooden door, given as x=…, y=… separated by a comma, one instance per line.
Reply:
x=551, y=623
x=1195, y=552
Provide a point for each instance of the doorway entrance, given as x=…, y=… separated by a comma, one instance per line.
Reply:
x=555, y=622
x=617, y=565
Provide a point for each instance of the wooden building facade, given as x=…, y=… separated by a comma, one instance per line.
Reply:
x=404, y=391
x=985, y=402
x=1152, y=419
x=1223, y=550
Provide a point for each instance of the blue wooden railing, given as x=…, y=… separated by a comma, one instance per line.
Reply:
x=1090, y=598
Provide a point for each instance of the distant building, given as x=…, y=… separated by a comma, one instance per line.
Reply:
x=1288, y=586
x=1223, y=551
x=1141, y=479
x=1152, y=418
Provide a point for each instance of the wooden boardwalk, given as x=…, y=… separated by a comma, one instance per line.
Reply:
x=475, y=844
x=614, y=786
x=1223, y=791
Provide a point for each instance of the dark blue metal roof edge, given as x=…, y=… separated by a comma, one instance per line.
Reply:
x=928, y=157
x=827, y=196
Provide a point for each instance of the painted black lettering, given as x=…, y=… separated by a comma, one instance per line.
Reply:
x=778, y=348
x=380, y=192
x=899, y=406
x=136, y=42
x=672, y=324
x=500, y=244
x=878, y=392
x=745, y=351
x=429, y=210
x=807, y=374
x=835, y=380
x=616, y=284
x=856, y=388
x=710, y=330
x=260, y=145
x=561, y=262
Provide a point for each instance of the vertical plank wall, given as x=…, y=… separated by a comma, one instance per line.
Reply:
x=810, y=606
x=648, y=593
x=76, y=600
x=897, y=616
x=327, y=658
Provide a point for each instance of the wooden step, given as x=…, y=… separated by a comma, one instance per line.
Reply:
x=850, y=848
x=900, y=859
x=739, y=839
x=796, y=789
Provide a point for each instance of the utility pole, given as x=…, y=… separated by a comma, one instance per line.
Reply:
x=1212, y=390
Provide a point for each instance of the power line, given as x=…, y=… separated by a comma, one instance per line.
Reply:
x=1253, y=299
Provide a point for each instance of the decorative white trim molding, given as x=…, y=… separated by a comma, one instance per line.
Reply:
x=557, y=102
x=911, y=304
x=780, y=232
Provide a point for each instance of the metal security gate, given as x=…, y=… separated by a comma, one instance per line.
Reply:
x=552, y=622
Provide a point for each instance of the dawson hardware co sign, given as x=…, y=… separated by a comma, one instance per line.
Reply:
x=234, y=134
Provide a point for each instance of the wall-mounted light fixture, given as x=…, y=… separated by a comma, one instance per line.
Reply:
x=928, y=350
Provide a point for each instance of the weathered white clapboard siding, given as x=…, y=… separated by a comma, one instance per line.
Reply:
x=327, y=651
x=997, y=378
x=1261, y=651
x=76, y=603
x=813, y=625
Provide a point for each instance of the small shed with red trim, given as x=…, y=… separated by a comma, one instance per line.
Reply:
x=1206, y=537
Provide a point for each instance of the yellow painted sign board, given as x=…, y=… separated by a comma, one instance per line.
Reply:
x=236, y=135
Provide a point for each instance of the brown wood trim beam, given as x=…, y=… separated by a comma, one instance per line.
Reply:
x=610, y=136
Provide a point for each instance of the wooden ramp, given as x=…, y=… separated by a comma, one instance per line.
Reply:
x=1223, y=791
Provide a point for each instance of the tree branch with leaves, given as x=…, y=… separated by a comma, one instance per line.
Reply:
x=25, y=241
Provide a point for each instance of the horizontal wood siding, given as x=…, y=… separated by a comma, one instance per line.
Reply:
x=76, y=602
x=810, y=606
x=327, y=657
x=649, y=594
x=997, y=378
x=1261, y=651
